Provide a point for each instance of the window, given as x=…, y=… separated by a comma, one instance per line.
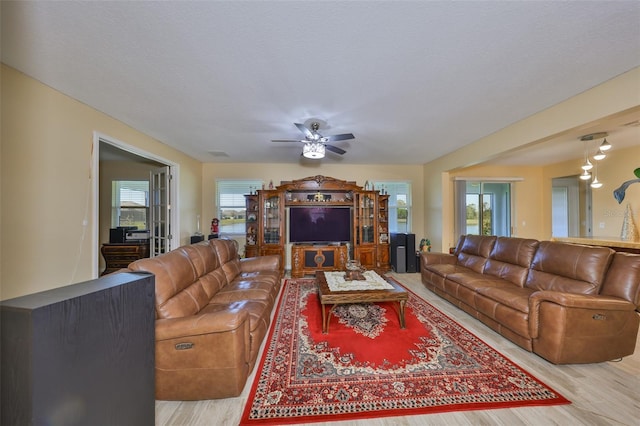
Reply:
x=232, y=205
x=399, y=205
x=129, y=203
x=483, y=208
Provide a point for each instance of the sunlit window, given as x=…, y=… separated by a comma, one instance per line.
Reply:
x=399, y=205
x=130, y=203
x=232, y=212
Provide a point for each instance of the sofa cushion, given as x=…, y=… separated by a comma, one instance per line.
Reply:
x=207, y=267
x=475, y=250
x=458, y=247
x=474, y=280
x=514, y=297
x=259, y=318
x=241, y=289
x=227, y=251
x=259, y=312
x=623, y=278
x=176, y=294
x=570, y=268
x=445, y=269
x=510, y=259
x=202, y=256
x=507, y=306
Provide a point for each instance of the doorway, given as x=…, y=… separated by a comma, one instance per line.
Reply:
x=115, y=162
x=570, y=207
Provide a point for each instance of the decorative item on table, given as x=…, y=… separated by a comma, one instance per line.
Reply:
x=354, y=271
x=629, y=230
x=425, y=244
x=619, y=193
x=214, y=225
x=197, y=233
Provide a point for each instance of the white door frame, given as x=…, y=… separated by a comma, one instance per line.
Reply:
x=175, y=171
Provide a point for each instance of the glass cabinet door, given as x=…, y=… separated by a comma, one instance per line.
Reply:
x=271, y=220
x=383, y=219
x=365, y=232
x=251, y=222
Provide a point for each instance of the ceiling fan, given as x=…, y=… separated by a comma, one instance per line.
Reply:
x=314, y=143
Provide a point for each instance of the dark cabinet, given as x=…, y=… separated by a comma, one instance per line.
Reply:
x=120, y=255
x=83, y=354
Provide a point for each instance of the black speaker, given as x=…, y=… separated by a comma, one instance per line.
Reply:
x=411, y=253
x=399, y=257
x=196, y=238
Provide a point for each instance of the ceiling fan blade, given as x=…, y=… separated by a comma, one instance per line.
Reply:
x=342, y=137
x=304, y=130
x=335, y=149
x=285, y=140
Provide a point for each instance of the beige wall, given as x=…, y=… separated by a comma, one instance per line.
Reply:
x=286, y=172
x=47, y=178
x=47, y=185
x=607, y=214
x=611, y=97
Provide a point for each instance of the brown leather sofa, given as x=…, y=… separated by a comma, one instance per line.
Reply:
x=567, y=303
x=212, y=313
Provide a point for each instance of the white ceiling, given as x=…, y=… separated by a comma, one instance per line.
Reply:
x=413, y=80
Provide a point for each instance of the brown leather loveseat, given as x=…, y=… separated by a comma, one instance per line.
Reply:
x=565, y=302
x=212, y=313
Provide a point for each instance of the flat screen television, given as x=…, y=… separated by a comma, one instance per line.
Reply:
x=319, y=224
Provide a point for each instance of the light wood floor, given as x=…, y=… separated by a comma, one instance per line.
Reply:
x=601, y=394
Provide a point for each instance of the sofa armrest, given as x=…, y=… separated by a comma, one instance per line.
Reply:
x=429, y=258
x=214, y=322
x=603, y=304
x=260, y=263
x=205, y=343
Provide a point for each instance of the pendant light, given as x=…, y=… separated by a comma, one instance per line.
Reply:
x=585, y=175
x=598, y=156
x=605, y=146
x=587, y=164
x=596, y=183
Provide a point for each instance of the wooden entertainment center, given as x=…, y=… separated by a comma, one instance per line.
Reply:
x=368, y=230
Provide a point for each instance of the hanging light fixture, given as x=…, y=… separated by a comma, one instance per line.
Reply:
x=587, y=164
x=313, y=150
x=596, y=183
x=598, y=156
x=585, y=175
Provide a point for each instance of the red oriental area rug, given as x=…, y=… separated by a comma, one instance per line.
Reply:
x=366, y=366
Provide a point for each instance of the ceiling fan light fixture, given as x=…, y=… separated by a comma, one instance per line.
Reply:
x=313, y=150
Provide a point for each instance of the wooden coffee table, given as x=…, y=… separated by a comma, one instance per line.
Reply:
x=334, y=298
